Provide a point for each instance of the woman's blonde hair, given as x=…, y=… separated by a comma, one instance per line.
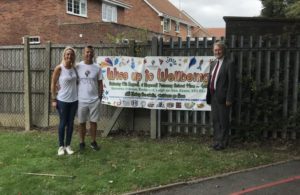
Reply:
x=65, y=51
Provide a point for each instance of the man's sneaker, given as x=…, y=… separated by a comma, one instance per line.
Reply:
x=61, y=151
x=69, y=150
x=81, y=146
x=95, y=146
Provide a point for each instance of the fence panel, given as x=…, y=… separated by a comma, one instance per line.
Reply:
x=187, y=122
x=262, y=63
x=12, y=79
x=11, y=86
x=269, y=84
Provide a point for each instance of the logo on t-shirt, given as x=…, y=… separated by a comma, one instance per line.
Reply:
x=70, y=73
x=87, y=73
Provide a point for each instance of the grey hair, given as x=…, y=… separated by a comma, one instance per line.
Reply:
x=220, y=44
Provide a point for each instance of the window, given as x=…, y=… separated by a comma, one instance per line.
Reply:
x=77, y=7
x=109, y=13
x=167, y=24
x=177, y=29
x=189, y=31
x=32, y=40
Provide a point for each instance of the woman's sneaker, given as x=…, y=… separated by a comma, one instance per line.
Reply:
x=61, y=151
x=69, y=150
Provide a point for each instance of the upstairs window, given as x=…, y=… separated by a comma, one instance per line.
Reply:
x=189, y=31
x=177, y=25
x=77, y=7
x=109, y=13
x=167, y=25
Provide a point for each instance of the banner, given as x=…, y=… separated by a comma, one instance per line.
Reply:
x=171, y=83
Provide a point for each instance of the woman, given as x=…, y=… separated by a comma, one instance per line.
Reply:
x=65, y=98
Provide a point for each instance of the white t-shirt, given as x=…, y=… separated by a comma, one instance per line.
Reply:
x=67, y=85
x=89, y=75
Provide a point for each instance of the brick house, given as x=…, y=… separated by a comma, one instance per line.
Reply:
x=91, y=21
x=163, y=17
x=216, y=32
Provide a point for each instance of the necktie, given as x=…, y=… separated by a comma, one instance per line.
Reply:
x=212, y=81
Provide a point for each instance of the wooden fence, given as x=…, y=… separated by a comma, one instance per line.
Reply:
x=262, y=63
x=267, y=91
x=15, y=87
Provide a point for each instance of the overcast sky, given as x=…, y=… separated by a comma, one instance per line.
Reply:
x=209, y=13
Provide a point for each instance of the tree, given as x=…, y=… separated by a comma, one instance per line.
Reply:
x=280, y=8
x=293, y=10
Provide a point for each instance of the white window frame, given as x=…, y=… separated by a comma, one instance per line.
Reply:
x=177, y=26
x=167, y=24
x=109, y=13
x=33, y=40
x=189, y=30
x=82, y=7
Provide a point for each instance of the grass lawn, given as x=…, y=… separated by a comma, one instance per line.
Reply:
x=122, y=165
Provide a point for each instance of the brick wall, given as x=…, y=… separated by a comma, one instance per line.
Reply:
x=141, y=15
x=39, y=18
x=49, y=20
x=15, y=23
x=94, y=11
x=99, y=32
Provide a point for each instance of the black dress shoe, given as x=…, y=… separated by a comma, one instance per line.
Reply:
x=214, y=145
x=219, y=147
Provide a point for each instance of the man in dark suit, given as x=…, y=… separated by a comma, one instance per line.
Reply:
x=220, y=94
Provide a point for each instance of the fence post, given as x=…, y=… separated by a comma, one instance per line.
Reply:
x=258, y=63
x=132, y=53
x=47, y=83
x=132, y=48
x=195, y=114
x=186, y=112
x=240, y=79
x=296, y=83
x=286, y=83
x=249, y=75
x=158, y=121
x=170, y=112
x=178, y=112
x=153, y=115
x=27, y=85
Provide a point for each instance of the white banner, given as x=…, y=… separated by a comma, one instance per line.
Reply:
x=158, y=82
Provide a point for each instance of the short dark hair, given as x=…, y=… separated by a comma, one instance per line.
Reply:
x=89, y=47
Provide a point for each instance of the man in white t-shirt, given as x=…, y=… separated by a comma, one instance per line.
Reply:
x=90, y=89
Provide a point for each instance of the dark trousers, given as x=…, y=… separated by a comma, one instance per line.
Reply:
x=67, y=112
x=221, y=121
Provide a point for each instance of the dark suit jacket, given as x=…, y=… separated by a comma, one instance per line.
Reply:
x=225, y=82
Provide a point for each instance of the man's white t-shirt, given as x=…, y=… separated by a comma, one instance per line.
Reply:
x=89, y=75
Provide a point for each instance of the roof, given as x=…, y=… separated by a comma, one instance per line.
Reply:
x=119, y=3
x=167, y=9
x=200, y=27
x=216, y=32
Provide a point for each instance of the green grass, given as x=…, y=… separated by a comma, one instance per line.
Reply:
x=122, y=165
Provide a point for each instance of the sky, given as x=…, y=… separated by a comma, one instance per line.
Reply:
x=209, y=13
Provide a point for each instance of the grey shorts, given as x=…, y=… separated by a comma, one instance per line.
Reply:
x=89, y=111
